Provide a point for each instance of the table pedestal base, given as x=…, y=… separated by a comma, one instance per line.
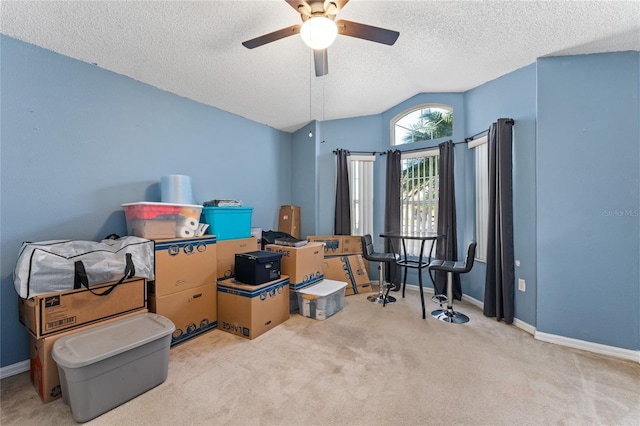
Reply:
x=380, y=298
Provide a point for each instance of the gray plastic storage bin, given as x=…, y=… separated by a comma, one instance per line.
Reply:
x=108, y=365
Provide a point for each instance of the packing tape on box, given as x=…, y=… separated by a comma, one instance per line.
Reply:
x=185, y=231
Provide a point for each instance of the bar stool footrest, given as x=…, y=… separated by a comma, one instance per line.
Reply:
x=440, y=299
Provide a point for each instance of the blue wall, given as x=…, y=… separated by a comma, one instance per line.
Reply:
x=588, y=153
x=78, y=141
x=514, y=96
x=354, y=134
x=304, y=177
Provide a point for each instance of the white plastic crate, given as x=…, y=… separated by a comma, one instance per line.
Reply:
x=322, y=300
x=162, y=220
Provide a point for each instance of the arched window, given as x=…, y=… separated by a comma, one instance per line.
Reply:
x=422, y=123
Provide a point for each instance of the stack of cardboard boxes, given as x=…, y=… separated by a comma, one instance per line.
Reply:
x=185, y=286
x=256, y=299
x=48, y=317
x=303, y=265
x=343, y=261
x=195, y=287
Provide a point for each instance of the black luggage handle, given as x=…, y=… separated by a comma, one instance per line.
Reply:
x=81, y=280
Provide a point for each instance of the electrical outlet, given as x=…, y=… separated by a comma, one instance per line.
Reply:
x=521, y=285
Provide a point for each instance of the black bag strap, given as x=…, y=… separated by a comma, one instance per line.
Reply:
x=129, y=268
x=82, y=280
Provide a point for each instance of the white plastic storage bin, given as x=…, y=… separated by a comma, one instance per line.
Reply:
x=321, y=300
x=108, y=365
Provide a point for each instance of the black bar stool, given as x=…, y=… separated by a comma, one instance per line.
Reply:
x=451, y=267
x=372, y=256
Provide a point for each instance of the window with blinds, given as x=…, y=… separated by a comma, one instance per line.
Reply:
x=481, y=149
x=361, y=191
x=419, y=196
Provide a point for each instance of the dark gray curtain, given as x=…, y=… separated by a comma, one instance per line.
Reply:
x=447, y=247
x=499, y=284
x=342, y=222
x=392, y=213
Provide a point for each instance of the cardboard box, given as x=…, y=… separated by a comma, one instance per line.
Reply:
x=303, y=265
x=289, y=220
x=251, y=310
x=332, y=243
x=226, y=252
x=44, y=370
x=183, y=264
x=338, y=244
x=152, y=229
x=50, y=313
x=351, y=244
x=349, y=268
x=193, y=311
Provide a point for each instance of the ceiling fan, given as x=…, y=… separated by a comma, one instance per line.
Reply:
x=319, y=29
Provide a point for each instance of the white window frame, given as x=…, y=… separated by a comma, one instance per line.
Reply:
x=481, y=151
x=408, y=226
x=361, y=193
x=411, y=110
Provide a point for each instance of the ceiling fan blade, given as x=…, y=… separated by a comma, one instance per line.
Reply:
x=321, y=62
x=268, y=38
x=367, y=32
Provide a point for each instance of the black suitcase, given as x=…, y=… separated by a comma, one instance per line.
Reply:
x=257, y=267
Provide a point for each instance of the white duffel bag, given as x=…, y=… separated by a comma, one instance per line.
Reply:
x=61, y=265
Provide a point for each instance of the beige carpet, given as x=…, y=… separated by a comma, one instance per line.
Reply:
x=369, y=365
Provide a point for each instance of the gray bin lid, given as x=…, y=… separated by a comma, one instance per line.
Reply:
x=324, y=288
x=90, y=346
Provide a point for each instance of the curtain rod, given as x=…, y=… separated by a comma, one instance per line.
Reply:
x=419, y=149
x=470, y=138
x=466, y=140
x=335, y=151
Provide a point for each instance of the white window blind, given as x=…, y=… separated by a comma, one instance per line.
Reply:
x=481, y=149
x=419, y=196
x=361, y=189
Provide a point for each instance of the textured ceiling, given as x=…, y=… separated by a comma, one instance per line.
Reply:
x=193, y=48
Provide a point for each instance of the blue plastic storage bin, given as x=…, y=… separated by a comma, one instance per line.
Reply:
x=228, y=223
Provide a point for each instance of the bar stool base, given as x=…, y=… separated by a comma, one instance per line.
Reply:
x=379, y=298
x=450, y=316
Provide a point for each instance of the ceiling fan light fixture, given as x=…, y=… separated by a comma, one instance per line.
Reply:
x=318, y=32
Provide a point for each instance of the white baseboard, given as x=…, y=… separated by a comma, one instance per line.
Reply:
x=589, y=346
x=13, y=369
x=518, y=323
x=597, y=348
x=475, y=302
x=524, y=326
